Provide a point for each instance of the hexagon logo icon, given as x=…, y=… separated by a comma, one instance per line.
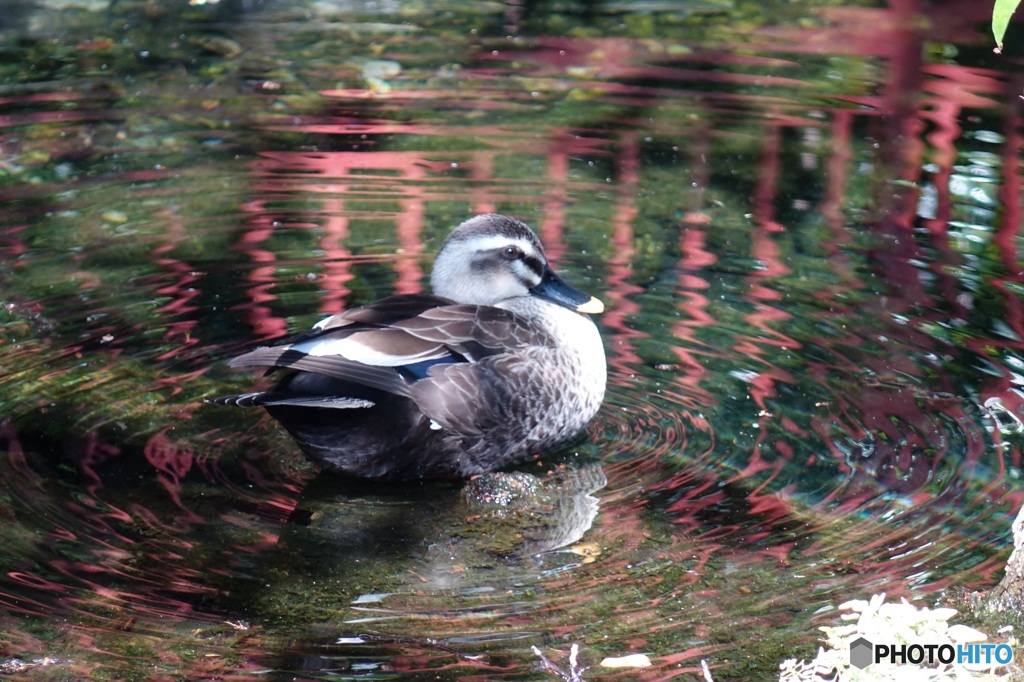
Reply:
x=861, y=653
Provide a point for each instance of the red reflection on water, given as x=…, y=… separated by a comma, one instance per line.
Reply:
x=177, y=314
x=35, y=117
x=264, y=322
x=768, y=181
x=696, y=257
x=172, y=461
x=336, y=257
x=619, y=296
x=91, y=453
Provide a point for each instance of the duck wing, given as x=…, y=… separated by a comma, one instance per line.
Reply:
x=391, y=344
x=496, y=398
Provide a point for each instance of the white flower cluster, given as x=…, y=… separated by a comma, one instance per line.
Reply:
x=893, y=624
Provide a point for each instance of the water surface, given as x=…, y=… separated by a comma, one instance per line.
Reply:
x=803, y=221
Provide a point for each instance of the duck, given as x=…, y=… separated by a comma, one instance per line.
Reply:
x=501, y=362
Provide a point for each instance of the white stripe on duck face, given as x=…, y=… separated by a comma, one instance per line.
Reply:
x=497, y=241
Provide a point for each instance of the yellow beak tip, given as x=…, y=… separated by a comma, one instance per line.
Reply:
x=591, y=307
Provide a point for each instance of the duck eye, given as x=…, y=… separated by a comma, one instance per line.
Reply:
x=511, y=252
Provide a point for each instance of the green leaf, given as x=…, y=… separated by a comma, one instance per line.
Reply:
x=1001, y=14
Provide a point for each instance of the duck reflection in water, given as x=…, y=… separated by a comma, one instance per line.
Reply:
x=498, y=528
x=500, y=363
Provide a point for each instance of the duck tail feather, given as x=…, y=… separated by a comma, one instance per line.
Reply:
x=335, y=402
x=242, y=400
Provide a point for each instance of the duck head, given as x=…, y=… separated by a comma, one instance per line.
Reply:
x=492, y=258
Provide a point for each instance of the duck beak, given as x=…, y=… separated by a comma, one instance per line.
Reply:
x=554, y=289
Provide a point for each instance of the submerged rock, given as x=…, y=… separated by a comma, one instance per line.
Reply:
x=520, y=514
